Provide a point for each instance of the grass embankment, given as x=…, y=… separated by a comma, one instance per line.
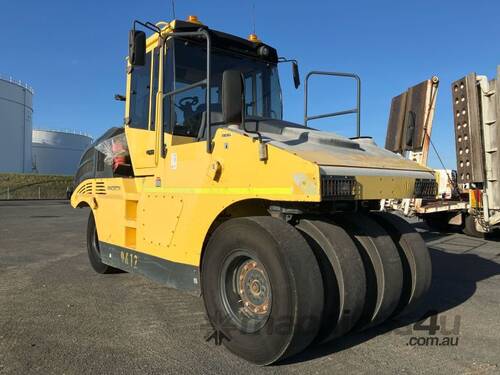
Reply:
x=33, y=186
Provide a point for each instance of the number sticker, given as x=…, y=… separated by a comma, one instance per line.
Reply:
x=129, y=259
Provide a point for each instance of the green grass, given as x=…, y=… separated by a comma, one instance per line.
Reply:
x=33, y=186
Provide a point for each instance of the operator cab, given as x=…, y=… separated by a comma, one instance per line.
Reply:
x=175, y=66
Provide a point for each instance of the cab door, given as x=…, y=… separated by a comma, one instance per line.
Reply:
x=142, y=86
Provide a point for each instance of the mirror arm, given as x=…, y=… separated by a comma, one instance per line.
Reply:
x=284, y=59
x=148, y=25
x=295, y=70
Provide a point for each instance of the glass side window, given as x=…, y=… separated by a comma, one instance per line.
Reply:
x=263, y=94
x=140, y=93
x=185, y=112
x=86, y=167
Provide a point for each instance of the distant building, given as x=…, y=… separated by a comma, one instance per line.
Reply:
x=27, y=150
x=16, y=112
x=57, y=152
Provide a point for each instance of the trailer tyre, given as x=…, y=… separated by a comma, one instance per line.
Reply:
x=470, y=227
x=262, y=288
x=93, y=249
x=438, y=222
x=415, y=258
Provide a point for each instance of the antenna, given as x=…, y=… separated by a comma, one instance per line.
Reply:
x=253, y=17
x=173, y=9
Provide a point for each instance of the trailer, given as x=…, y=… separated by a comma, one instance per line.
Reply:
x=473, y=202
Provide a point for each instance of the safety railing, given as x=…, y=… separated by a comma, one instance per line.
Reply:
x=356, y=110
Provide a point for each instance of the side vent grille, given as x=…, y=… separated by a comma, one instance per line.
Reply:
x=100, y=188
x=426, y=188
x=338, y=187
x=85, y=189
x=89, y=188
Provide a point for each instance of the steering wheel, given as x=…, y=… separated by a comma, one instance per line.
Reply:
x=188, y=102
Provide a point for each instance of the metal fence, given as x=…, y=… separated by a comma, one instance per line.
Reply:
x=34, y=192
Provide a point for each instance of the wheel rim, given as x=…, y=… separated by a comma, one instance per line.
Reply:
x=245, y=291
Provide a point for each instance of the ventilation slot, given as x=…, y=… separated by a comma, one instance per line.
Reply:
x=100, y=188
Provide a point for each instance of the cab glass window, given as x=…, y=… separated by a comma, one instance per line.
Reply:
x=140, y=93
x=185, y=112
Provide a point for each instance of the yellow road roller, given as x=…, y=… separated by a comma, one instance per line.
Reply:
x=205, y=188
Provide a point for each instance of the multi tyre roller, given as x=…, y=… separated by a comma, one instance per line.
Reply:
x=273, y=287
x=271, y=221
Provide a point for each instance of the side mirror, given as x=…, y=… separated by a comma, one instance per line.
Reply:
x=296, y=75
x=233, y=97
x=137, y=47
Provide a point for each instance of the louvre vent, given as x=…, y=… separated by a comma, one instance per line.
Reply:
x=338, y=187
x=100, y=188
x=426, y=188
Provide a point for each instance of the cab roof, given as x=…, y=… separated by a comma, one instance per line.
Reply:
x=220, y=40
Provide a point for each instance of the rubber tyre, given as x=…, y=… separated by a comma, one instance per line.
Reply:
x=470, y=227
x=438, y=222
x=343, y=276
x=93, y=249
x=295, y=280
x=383, y=268
x=415, y=259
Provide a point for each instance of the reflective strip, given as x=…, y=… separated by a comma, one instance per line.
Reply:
x=223, y=191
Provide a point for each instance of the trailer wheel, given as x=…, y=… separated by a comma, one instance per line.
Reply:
x=343, y=276
x=415, y=258
x=383, y=269
x=93, y=249
x=470, y=227
x=262, y=288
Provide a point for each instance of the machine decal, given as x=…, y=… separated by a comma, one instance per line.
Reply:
x=174, y=275
x=224, y=190
x=173, y=160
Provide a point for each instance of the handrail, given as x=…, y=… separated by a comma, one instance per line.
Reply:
x=356, y=110
x=186, y=88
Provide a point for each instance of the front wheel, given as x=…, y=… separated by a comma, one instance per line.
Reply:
x=262, y=288
x=93, y=250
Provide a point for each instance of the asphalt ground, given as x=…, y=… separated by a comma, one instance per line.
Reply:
x=58, y=316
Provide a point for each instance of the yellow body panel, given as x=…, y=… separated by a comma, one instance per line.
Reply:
x=169, y=214
x=140, y=141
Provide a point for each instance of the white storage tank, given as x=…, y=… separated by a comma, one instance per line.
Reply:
x=16, y=112
x=57, y=152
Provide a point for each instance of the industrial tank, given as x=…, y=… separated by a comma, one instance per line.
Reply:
x=16, y=111
x=57, y=152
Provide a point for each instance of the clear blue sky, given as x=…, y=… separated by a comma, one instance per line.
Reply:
x=72, y=53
